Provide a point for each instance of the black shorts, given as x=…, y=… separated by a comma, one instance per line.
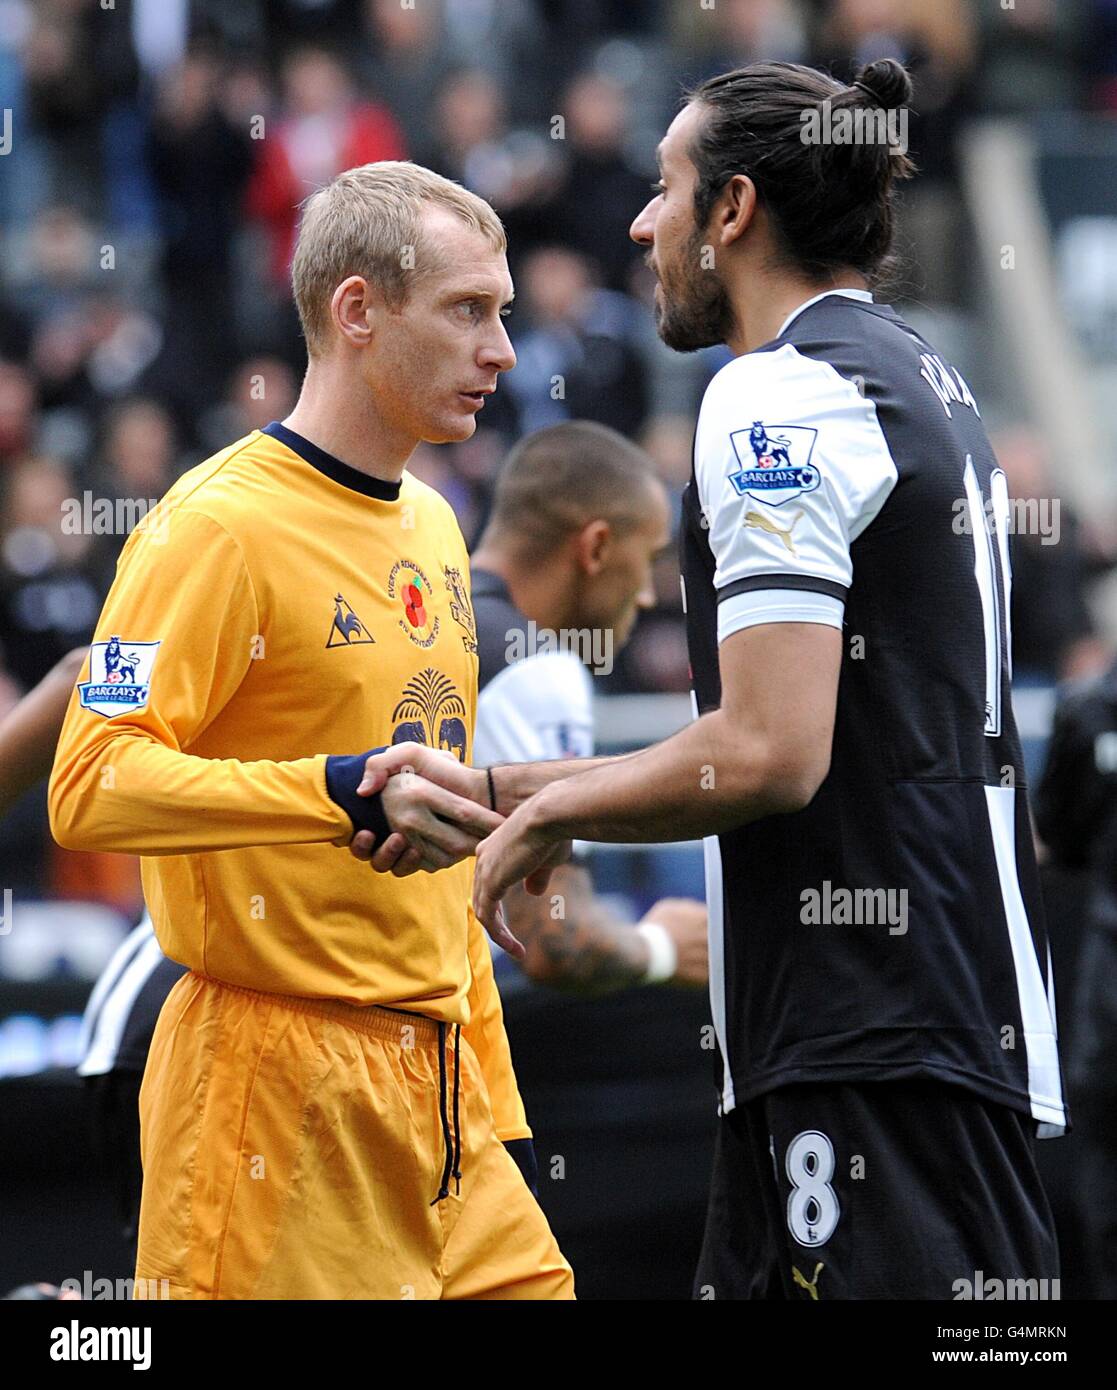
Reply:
x=875, y=1190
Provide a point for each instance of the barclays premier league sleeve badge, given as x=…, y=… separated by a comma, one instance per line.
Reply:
x=775, y=462
x=120, y=677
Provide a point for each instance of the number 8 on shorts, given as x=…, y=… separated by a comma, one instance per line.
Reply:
x=812, y=1206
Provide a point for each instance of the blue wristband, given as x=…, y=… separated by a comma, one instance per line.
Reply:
x=343, y=776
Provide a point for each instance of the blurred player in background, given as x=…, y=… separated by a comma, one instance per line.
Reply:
x=314, y=1119
x=889, y=1053
x=578, y=518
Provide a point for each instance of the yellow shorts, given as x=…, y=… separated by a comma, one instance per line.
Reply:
x=295, y=1148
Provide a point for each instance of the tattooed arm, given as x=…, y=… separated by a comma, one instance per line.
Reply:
x=575, y=944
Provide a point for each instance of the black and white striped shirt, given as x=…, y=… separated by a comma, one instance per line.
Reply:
x=842, y=475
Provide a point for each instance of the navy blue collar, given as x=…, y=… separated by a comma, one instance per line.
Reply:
x=342, y=473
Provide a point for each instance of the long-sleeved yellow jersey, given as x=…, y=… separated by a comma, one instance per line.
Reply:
x=277, y=607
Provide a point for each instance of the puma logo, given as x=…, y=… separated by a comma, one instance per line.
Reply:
x=764, y=523
x=811, y=1285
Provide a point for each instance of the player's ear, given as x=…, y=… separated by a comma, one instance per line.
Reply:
x=350, y=309
x=734, y=211
x=592, y=545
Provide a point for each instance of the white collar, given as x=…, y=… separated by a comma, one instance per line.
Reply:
x=863, y=295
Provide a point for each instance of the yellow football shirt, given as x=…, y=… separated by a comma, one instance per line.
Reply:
x=274, y=609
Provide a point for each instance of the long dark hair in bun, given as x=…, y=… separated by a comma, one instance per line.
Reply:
x=888, y=82
x=830, y=203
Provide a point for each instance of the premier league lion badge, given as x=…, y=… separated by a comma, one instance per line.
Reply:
x=775, y=462
x=120, y=677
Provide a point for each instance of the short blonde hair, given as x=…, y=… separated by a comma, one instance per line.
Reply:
x=365, y=222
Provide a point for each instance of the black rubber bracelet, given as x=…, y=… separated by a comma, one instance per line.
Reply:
x=492, y=789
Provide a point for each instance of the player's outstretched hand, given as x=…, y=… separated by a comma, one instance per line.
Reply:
x=517, y=851
x=432, y=828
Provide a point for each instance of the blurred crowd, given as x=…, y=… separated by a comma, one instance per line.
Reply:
x=155, y=152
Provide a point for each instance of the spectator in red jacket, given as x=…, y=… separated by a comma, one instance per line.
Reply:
x=322, y=128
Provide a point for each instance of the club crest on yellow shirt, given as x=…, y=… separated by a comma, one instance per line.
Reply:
x=461, y=610
x=412, y=589
x=431, y=712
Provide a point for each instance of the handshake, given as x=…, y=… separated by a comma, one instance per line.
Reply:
x=438, y=811
x=436, y=807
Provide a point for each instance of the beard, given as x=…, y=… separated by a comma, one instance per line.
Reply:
x=695, y=311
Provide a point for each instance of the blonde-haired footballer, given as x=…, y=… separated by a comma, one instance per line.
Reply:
x=329, y=1086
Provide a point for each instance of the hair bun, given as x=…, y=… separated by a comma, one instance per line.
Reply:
x=888, y=81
